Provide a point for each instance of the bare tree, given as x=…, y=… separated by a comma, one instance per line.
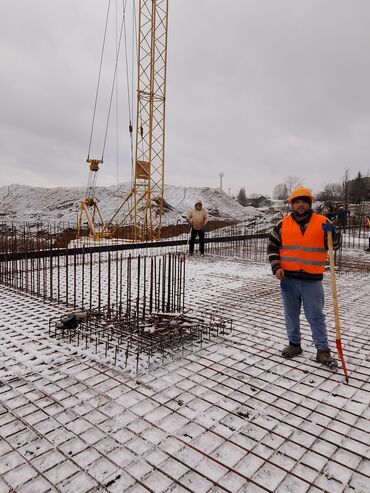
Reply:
x=332, y=192
x=281, y=192
x=293, y=182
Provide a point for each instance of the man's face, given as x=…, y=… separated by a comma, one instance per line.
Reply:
x=300, y=207
x=198, y=207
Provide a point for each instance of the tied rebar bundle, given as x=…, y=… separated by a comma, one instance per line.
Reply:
x=138, y=342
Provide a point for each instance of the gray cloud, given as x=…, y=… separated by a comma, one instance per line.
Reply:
x=258, y=89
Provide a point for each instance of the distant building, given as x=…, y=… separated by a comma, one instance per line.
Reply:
x=260, y=201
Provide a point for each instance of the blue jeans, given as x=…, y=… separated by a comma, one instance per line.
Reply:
x=295, y=292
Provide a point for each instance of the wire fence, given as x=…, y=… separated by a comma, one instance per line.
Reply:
x=37, y=237
x=150, y=274
x=51, y=239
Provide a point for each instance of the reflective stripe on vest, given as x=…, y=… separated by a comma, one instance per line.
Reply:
x=306, y=251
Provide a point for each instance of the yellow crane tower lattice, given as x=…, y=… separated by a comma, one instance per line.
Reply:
x=144, y=203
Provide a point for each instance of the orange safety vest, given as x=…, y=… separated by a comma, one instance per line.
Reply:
x=303, y=252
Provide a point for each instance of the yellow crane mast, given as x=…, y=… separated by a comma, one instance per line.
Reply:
x=143, y=206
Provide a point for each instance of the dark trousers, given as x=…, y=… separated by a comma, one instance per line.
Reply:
x=194, y=234
x=343, y=225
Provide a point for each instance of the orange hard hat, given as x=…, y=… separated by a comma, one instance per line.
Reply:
x=300, y=192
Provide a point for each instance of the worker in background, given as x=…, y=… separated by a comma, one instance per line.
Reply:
x=297, y=252
x=342, y=215
x=198, y=218
x=329, y=212
x=368, y=225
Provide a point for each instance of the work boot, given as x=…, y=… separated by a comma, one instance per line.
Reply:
x=323, y=356
x=291, y=350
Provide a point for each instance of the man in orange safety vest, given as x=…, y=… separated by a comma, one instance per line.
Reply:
x=297, y=252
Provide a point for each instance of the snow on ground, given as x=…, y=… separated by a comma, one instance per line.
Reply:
x=21, y=203
x=232, y=416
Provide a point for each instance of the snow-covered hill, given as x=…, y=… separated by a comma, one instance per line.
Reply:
x=20, y=203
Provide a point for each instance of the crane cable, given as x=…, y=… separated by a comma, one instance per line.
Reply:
x=114, y=80
x=99, y=77
x=117, y=115
x=130, y=94
x=129, y=90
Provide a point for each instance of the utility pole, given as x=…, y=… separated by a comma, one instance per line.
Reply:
x=221, y=175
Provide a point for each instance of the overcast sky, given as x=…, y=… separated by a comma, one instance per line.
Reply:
x=257, y=89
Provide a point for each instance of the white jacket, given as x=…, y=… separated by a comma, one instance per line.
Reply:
x=198, y=219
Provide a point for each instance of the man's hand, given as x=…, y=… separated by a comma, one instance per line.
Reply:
x=280, y=274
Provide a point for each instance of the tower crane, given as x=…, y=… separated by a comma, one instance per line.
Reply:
x=144, y=202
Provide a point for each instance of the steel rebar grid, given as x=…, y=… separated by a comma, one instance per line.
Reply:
x=246, y=376
x=156, y=336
